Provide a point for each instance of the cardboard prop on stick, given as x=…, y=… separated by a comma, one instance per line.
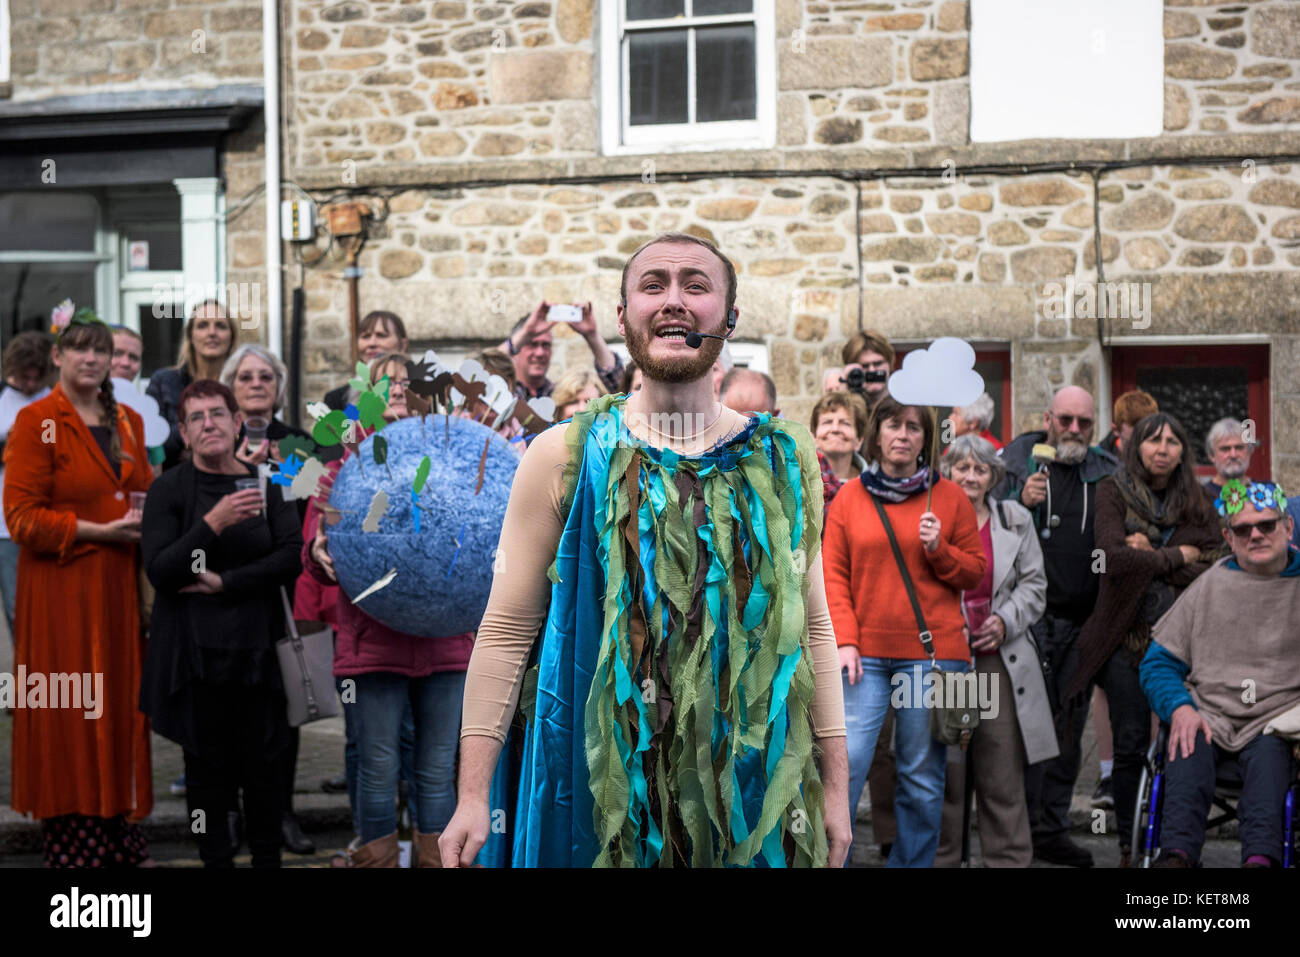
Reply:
x=941, y=375
x=414, y=513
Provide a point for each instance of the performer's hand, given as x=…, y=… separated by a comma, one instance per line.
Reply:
x=851, y=661
x=929, y=531
x=465, y=834
x=834, y=767
x=1183, y=725
x=321, y=553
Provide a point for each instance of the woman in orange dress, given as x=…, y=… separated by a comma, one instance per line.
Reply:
x=72, y=460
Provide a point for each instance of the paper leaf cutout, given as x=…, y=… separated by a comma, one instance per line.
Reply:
x=288, y=469
x=415, y=510
x=460, y=537
x=378, y=506
x=421, y=474
x=382, y=583
x=350, y=411
x=370, y=410
x=534, y=415
x=306, y=481
x=318, y=410
x=362, y=370
x=332, y=515
x=295, y=445
x=379, y=447
x=329, y=430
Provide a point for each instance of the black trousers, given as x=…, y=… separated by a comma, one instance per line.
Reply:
x=240, y=746
x=1130, y=729
x=1267, y=771
x=1049, y=784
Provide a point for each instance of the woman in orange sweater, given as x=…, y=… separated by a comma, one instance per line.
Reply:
x=881, y=652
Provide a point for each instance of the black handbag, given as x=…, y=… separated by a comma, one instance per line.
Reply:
x=948, y=725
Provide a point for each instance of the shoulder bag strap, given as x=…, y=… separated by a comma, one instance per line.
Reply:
x=927, y=640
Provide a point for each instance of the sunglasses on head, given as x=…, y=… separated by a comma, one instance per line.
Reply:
x=1266, y=527
x=1068, y=420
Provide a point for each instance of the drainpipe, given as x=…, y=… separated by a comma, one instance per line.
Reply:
x=271, y=114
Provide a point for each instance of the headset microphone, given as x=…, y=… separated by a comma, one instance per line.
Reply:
x=696, y=339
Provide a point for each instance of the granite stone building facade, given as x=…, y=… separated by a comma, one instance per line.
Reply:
x=495, y=147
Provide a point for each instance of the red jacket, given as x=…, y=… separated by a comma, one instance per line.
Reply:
x=864, y=590
x=363, y=645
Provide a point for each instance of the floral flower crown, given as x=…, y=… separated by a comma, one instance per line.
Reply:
x=65, y=314
x=1235, y=494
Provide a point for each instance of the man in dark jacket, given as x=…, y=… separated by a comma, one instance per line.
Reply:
x=1062, y=497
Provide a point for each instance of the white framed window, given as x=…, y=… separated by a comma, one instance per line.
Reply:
x=680, y=75
x=1097, y=69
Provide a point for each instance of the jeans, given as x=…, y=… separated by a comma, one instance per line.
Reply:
x=1266, y=773
x=9, y=579
x=350, y=759
x=1049, y=784
x=435, y=703
x=918, y=802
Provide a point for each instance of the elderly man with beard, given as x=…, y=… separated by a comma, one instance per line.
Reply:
x=1061, y=495
x=1229, y=452
x=667, y=548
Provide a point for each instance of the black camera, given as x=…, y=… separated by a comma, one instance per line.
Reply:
x=856, y=379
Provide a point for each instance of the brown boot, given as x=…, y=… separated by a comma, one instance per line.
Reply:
x=426, y=850
x=381, y=852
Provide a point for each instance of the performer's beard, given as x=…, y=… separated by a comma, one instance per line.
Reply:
x=670, y=370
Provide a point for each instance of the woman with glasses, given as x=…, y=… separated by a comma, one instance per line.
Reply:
x=218, y=554
x=1158, y=531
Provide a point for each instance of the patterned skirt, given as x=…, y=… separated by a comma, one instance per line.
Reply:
x=82, y=840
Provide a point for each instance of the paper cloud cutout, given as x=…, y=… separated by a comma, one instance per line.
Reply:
x=156, y=428
x=943, y=374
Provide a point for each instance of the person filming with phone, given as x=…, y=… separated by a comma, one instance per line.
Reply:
x=529, y=344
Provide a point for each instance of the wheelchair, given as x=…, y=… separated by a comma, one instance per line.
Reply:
x=1145, y=839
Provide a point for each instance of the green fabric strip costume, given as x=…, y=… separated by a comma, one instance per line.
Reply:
x=680, y=589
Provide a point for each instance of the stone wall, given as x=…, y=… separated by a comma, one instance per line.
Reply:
x=973, y=257
x=68, y=46
x=392, y=92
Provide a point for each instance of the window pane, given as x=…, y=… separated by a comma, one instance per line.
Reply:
x=712, y=8
x=47, y=221
x=657, y=74
x=161, y=335
x=164, y=246
x=724, y=69
x=653, y=9
x=32, y=290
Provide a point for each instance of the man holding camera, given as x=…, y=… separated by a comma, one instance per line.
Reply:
x=868, y=360
x=529, y=344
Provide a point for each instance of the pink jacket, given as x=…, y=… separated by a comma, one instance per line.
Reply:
x=363, y=645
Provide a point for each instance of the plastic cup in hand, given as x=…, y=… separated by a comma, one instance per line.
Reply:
x=137, y=501
x=244, y=484
x=977, y=612
x=255, y=432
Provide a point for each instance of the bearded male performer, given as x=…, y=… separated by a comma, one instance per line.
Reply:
x=686, y=689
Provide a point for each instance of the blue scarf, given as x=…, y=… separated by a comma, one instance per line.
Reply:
x=890, y=489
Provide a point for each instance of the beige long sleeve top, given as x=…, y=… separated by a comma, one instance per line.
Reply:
x=520, y=596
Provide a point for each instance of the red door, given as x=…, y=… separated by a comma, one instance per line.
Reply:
x=1199, y=385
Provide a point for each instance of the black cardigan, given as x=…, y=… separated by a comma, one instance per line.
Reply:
x=236, y=628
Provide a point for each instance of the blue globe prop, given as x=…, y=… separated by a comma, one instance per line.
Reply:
x=444, y=569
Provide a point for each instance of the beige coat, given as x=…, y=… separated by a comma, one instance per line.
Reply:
x=1019, y=598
